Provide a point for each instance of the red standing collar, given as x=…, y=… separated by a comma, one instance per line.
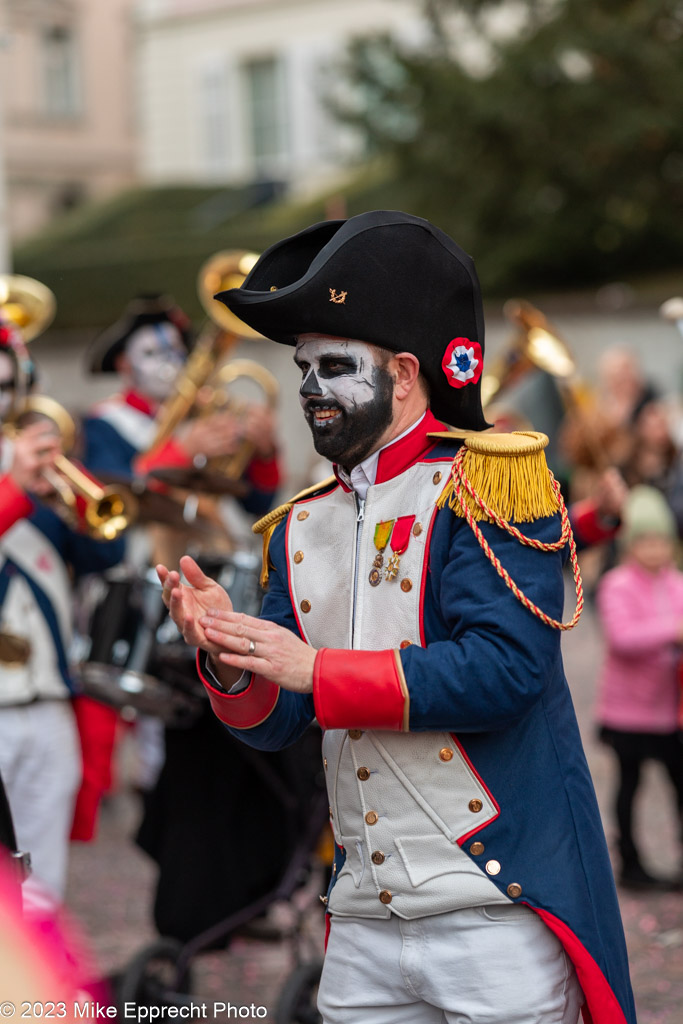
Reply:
x=400, y=455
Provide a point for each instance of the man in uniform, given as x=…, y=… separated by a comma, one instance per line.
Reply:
x=422, y=630
x=40, y=557
x=147, y=347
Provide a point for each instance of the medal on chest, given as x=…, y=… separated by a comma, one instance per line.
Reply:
x=381, y=539
x=396, y=534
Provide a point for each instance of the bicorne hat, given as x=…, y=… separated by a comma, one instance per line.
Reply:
x=141, y=311
x=386, y=278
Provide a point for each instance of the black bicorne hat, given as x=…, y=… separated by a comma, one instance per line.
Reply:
x=386, y=278
x=140, y=312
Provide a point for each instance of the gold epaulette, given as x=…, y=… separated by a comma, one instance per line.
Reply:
x=507, y=472
x=266, y=525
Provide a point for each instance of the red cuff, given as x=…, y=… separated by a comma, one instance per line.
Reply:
x=587, y=524
x=14, y=503
x=171, y=455
x=360, y=690
x=264, y=473
x=246, y=709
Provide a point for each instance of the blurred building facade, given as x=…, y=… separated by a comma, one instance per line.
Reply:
x=235, y=90
x=66, y=81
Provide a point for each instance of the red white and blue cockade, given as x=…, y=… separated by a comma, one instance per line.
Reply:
x=462, y=362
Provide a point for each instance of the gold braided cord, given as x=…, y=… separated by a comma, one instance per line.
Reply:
x=266, y=525
x=461, y=482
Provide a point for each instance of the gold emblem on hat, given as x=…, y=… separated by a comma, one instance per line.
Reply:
x=337, y=297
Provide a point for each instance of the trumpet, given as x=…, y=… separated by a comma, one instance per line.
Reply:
x=201, y=388
x=80, y=499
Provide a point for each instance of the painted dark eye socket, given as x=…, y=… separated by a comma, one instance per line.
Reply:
x=337, y=366
x=304, y=367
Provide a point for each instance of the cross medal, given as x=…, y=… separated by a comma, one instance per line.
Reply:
x=381, y=539
x=400, y=538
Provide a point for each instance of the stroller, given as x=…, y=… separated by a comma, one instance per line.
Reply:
x=222, y=867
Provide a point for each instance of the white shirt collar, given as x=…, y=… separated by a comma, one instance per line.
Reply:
x=364, y=474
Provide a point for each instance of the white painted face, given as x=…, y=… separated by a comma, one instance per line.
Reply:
x=346, y=394
x=156, y=353
x=337, y=370
x=8, y=384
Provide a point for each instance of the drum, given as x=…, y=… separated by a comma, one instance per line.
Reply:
x=117, y=649
x=129, y=653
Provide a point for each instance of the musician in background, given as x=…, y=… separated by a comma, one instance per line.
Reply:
x=40, y=555
x=147, y=347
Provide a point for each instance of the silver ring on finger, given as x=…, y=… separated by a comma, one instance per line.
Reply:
x=252, y=646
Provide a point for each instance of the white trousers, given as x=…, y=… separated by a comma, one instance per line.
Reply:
x=40, y=764
x=480, y=965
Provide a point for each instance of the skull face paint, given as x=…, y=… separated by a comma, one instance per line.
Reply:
x=346, y=394
x=155, y=354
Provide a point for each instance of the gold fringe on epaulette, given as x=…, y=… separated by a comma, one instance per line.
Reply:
x=266, y=525
x=509, y=474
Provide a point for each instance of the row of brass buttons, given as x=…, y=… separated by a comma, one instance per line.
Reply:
x=514, y=889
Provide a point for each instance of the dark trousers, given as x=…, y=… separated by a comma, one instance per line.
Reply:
x=632, y=750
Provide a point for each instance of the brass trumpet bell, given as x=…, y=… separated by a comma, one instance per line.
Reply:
x=84, y=502
x=225, y=269
x=26, y=303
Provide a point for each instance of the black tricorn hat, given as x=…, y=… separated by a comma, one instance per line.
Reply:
x=140, y=311
x=382, y=277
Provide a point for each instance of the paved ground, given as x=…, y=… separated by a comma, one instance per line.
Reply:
x=111, y=882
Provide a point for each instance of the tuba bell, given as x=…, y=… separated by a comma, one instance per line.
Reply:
x=203, y=385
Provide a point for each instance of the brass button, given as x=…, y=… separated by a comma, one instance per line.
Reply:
x=323, y=899
x=304, y=514
x=273, y=287
x=334, y=868
x=492, y=867
x=372, y=817
x=355, y=734
x=404, y=644
x=298, y=556
x=417, y=529
x=445, y=754
x=436, y=479
x=385, y=896
x=476, y=849
x=330, y=810
x=377, y=857
x=406, y=585
x=514, y=890
x=305, y=606
x=325, y=763
x=363, y=774
x=475, y=805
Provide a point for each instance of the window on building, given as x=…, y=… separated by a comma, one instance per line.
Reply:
x=60, y=72
x=266, y=111
x=214, y=112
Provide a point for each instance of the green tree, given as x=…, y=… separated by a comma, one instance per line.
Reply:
x=558, y=159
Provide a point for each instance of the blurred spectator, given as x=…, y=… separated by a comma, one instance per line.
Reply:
x=640, y=604
x=651, y=455
x=622, y=385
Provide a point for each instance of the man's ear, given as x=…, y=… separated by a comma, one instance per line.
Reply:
x=405, y=369
x=122, y=363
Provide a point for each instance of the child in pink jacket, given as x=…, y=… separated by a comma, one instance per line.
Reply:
x=641, y=609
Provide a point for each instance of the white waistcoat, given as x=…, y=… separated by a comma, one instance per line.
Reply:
x=425, y=796
x=20, y=615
